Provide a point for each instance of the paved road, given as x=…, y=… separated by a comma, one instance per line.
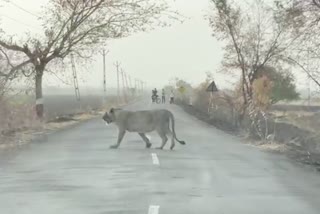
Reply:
x=75, y=172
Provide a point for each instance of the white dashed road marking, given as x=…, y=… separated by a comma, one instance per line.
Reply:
x=155, y=159
x=154, y=209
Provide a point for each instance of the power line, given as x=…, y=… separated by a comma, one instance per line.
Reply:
x=21, y=8
x=135, y=85
x=22, y=23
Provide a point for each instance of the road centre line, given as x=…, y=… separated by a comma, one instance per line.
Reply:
x=153, y=209
x=155, y=159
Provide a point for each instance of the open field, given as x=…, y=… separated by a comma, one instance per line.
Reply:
x=57, y=105
x=293, y=107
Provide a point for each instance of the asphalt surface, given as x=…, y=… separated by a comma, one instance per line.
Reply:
x=74, y=172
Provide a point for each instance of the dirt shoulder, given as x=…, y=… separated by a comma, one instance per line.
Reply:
x=20, y=137
x=300, y=143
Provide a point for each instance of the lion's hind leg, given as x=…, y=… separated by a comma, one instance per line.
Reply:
x=173, y=143
x=164, y=138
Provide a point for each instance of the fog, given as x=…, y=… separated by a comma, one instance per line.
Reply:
x=184, y=50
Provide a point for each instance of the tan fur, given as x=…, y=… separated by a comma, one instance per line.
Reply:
x=143, y=122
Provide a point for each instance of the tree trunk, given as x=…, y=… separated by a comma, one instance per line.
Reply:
x=39, y=98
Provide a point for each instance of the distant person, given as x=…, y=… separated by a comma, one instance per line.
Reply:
x=171, y=97
x=163, y=96
x=154, y=95
x=154, y=92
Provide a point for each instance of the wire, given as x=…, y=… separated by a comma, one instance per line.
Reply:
x=22, y=23
x=21, y=8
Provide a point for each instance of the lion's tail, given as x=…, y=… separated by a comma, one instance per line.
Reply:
x=174, y=131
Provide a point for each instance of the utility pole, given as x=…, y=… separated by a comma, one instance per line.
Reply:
x=104, y=53
x=123, y=86
x=75, y=81
x=131, y=87
x=309, y=85
x=145, y=86
x=117, y=64
x=130, y=84
x=136, y=86
x=126, y=81
x=140, y=86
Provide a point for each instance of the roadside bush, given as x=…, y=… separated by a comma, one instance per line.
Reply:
x=183, y=91
x=226, y=110
x=201, y=97
x=219, y=106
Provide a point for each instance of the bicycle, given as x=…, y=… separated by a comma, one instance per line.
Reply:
x=156, y=99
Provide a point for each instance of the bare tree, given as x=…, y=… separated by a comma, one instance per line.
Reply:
x=305, y=16
x=77, y=27
x=253, y=38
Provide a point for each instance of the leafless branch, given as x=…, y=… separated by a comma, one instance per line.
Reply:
x=15, y=47
x=305, y=70
x=13, y=69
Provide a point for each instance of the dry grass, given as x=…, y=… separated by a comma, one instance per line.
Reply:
x=269, y=147
x=302, y=119
x=17, y=117
x=291, y=113
x=18, y=121
x=22, y=137
x=19, y=124
x=274, y=147
x=76, y=119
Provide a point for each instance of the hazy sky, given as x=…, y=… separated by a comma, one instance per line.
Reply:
x=183, y=50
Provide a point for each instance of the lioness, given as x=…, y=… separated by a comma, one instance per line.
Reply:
x=143, y=122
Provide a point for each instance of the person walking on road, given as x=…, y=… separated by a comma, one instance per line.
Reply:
x=163, y=96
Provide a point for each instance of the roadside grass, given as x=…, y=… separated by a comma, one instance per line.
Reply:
x=302, y=119
x=19, y=124
x=292, y=133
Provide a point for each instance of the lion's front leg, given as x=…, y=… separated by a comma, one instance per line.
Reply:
x=120, y=137
x=146, y=140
